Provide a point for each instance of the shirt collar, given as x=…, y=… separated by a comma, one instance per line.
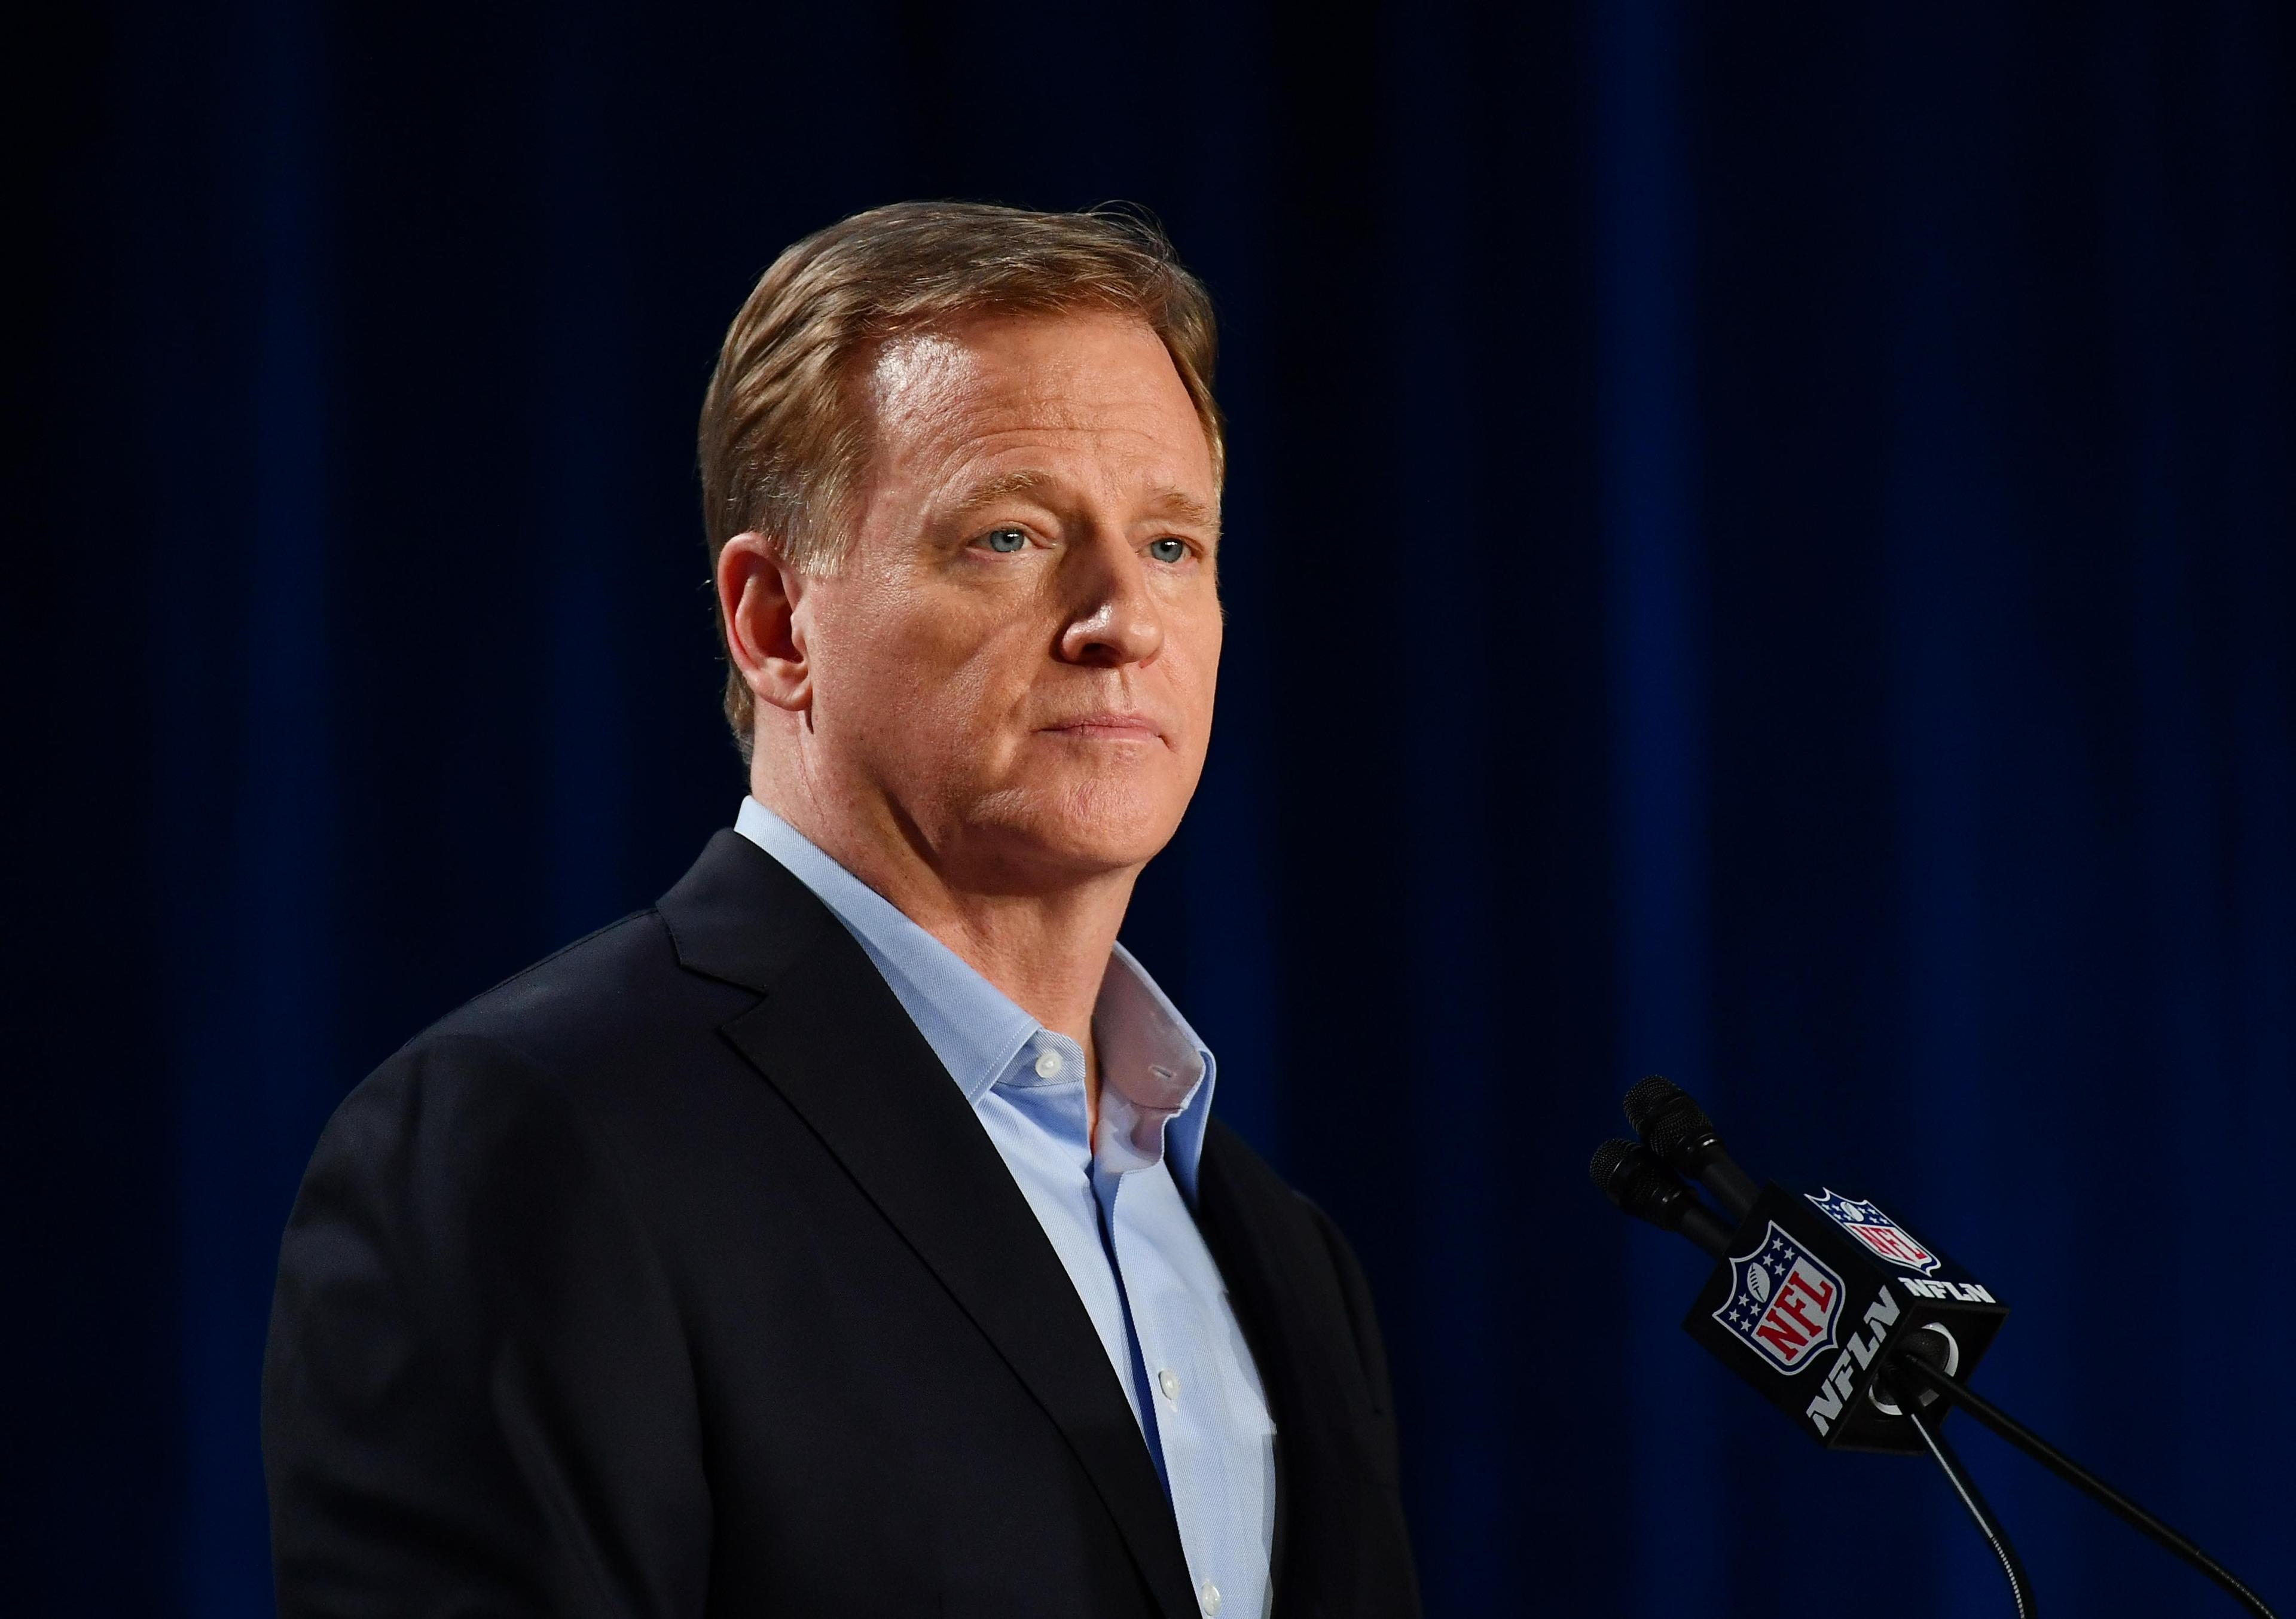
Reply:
x=1156, y=1075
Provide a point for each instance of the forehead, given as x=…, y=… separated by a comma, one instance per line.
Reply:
x=1096, y=384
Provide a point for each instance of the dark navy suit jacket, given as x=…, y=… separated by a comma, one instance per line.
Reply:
x=673, y=1277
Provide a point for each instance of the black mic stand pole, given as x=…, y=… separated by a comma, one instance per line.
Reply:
x=2021, y=1590
x=1912, y=1365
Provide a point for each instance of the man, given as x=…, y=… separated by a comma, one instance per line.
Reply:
x=848, y=1234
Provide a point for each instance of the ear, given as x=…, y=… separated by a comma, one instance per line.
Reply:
x=758, y=592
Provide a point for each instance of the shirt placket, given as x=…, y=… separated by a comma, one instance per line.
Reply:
x=1049, y=1054
x=1105, y=1187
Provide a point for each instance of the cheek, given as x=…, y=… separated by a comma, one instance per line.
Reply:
x=1192, y=645
x=908, y=671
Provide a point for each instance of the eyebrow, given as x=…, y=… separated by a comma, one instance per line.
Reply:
x=988, y=491
x=1179, y=503
x=1170, y=500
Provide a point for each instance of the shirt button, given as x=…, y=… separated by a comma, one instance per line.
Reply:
x=1169, y=1384
x=1208, y=1595
x=1049, y=1066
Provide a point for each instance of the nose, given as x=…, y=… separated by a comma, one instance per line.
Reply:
x=1114, y=620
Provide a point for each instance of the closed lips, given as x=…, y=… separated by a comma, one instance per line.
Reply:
x=1112, y=725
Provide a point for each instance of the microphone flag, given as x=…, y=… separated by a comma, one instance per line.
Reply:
x=1875, y=1230
x=1814, y=1292
x=1783, y=1303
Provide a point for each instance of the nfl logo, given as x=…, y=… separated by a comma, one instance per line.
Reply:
x=1783, y=1303
x=1876, y=1230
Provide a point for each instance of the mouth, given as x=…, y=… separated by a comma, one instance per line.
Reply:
x=1108, y=728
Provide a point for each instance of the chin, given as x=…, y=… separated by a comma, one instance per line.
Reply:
x=1086, y=829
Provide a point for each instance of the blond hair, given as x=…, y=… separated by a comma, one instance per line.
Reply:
x=783, y=440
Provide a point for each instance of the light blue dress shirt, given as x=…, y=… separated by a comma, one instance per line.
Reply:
x=1113, y=1208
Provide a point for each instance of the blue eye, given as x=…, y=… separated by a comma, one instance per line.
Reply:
x=1006, y=540
x=1167, y=551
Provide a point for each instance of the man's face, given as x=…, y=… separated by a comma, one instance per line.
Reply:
x=1012, y=670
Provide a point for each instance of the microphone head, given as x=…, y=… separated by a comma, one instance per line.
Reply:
x=1650, y=1094
x=1608, y=1159
x=1675, y=1127
x=1639, y=1184
x=1680, y=1132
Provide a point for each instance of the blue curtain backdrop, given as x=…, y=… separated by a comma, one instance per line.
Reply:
x=1760, y=548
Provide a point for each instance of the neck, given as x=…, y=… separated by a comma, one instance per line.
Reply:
x=1043, y=946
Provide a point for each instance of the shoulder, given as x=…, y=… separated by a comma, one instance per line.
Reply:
x=586, y=997
x=496, y=1078
x=611, y=1052
x=1297, y=1248
x=534, y=1057
x=1260, y=1195
x=718, y=941
x=617, y=1037
x=1283, y=1217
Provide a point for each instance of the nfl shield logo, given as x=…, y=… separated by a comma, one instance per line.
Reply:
x=1876, y=1230
x=1783, y=1304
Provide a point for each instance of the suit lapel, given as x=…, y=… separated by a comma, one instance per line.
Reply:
x=830, y=1036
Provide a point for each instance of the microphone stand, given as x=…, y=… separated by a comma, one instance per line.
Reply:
x=2021, y=1590
x=2066, y=1467
x=1677, y=1136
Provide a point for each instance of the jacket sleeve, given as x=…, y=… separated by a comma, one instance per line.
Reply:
x=477, y=1398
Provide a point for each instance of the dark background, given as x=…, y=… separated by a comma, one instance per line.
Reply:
x=1759, y=548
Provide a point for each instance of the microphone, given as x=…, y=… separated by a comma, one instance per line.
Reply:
x=1638, y=1183
x=1817, y=1292
x=1679, y=1132
x=1857, y=1328
x=1815, y=1289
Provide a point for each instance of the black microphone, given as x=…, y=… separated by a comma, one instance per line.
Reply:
x=1638, y=1183
x=1815, y=1290
x=1857, y=1328
x=1679, y=1132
